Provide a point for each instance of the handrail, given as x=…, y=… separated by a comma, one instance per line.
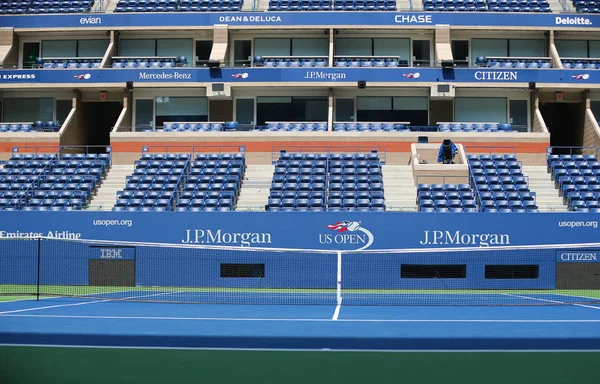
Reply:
x=366, y=149
x=572, y=150
x=492, y=149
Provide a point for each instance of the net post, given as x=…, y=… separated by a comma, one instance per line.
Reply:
x=39, y=262
x=339, y=278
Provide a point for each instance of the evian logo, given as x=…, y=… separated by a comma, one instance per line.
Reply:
x=90, y=20
x=348, y=232
x=581, y=76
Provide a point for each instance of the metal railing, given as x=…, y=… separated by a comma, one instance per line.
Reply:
x=277, y=150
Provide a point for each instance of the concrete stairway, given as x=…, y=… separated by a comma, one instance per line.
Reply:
x=400, y=189
x=261, y=5
x=409, y=5
x=255, y=188
x=541, y=183
x=106, y=196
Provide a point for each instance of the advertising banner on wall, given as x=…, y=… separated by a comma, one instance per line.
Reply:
x=327, y=230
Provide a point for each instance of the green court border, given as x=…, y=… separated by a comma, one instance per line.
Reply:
x=66, y=365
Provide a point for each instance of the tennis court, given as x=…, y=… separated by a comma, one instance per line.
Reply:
x=308, y=313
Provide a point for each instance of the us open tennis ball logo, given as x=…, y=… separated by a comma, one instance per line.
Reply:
x=348, y=233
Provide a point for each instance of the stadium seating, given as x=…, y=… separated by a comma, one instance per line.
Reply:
x=293, y=127
x=213, y=183
x=581, y=64
x=578, y=179
x=474, y=127
x=489, y=5
x=45, y=182
x=189, y=127
x=8, y=7
x=587, y=6
x=320, y=182
x=455, y=5
x=379, y=62
x=336, y=5
x=73, y=63
x=167, y=182
x=150, y=62
x=294, y=62
x=446, y=198
x=178, y=5
x=500, y=185
x=443, y=127
x=513, y=63
x=38, y=126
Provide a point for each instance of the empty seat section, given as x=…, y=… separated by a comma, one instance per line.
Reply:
x=587, y=6
x=453, y=198
x=334, y=182
x=178, y=5
x=51, y=181
x=474, y=127
x=577, y=177
x=196, y=127
x=327, y=5
x=44, y=7
x=500, y=185
x=293, y=127
x=213, y=183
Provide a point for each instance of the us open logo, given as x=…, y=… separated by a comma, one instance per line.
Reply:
x=348, y=232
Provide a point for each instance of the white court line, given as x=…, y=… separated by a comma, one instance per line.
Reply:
x=550, y=321
x=336, y=313
x=311, y=350
x=551, y=301
x=77, y=304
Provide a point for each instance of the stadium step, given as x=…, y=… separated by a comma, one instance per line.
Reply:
x=399, y=186
x=115, y=181
x=110, y=5
x=409, y=5
x=255, y=188
x=540, y=182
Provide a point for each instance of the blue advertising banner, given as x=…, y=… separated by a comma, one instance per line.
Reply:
x=306, y=75
x=294, y=19
x=330, y=231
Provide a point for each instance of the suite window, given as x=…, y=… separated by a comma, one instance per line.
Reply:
x=24, y=110
x=181, y=109
x=411, y=110
x=286, y=108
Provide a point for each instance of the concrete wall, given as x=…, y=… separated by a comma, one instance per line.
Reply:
x=591, y=130
x=433, y=172
x=74, y=134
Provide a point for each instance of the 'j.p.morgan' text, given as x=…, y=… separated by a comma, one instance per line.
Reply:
x=459, y=238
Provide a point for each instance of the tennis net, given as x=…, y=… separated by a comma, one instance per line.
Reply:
x=130, y=271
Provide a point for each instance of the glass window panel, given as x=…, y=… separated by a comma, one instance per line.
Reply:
x=480, y=109
x=344, y=110
x=527, y=48
x=272, y=47
x=92, y=48
x=392, y=47
x=59, y=48
x=181, y=106
x=28, y=110
x=518, y=115
x=273, y=99
x=374, y=103
x=595, y=106
x=63, y=108
x=571, y=48
x=144, y=114
x=488, y=47
x=137, y=47
x=410, y=103
x=595, y=48
x=244, y=111
x=310, y=47
x=350, y=47
x=175, y=47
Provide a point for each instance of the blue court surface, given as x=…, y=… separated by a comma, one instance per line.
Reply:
x=111, y=323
